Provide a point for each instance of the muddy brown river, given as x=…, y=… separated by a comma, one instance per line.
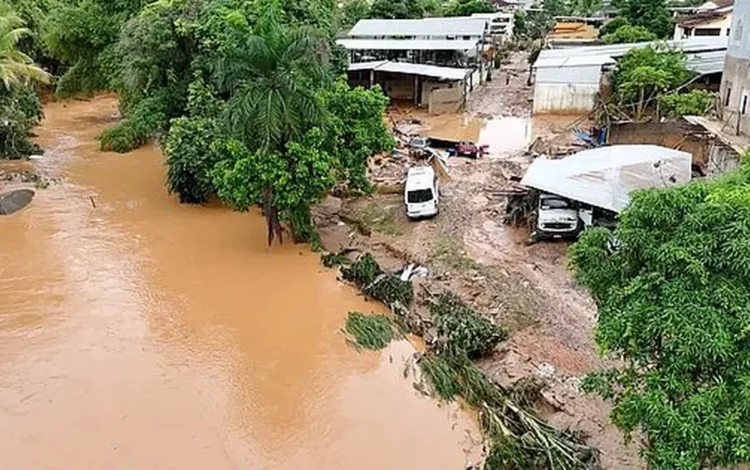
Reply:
x=138, y=333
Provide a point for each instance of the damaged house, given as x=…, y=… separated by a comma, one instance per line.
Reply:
x=431, y=62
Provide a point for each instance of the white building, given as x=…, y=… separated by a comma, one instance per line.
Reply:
x=735, y=85
x=710, y=19
x=567, y=81
x=416, y=60
x=500, y=24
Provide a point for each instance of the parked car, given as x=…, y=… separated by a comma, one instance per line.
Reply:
x=421, y=192
x=469, y=149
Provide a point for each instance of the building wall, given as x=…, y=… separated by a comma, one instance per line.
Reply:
x=429, y=85
x=566, y=90
x=735, y=84
x=446, y=100
x=556, y=98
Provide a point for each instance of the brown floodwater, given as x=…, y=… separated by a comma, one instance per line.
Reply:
x=138, y=333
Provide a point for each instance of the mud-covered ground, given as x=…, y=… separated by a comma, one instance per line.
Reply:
x=468, y=250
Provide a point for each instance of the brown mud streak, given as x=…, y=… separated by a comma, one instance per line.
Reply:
x=139, y=333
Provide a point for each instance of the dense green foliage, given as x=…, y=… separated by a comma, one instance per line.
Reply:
x=20, y=108
x=396, y=9
x=461, y=327
x=532, y=25
x=651, y=14
x=672, y=285
x=467, y=7
x=613, y=25
x=695, y=102
x=370, y=331
x=387, y=288
x=644, y=73
x=629, y=34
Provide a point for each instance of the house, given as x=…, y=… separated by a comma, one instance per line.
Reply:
x=712, y=18
x=567, y=81
x=735, y=86
x=572, y=33
x=500, y=24
x=433, y=62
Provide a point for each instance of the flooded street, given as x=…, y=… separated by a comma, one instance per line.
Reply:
x=137, y=333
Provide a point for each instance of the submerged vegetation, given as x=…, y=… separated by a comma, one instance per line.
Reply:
x=519, y=439
x=370, y=331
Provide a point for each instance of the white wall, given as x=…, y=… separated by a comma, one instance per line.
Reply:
x=724, y=25
x=553, y=98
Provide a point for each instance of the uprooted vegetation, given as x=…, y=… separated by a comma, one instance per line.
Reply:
x=517, y=437
x=370, y=331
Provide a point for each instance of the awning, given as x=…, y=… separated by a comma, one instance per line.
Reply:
x=408, y=44
x=444, y=73
x=605, y=177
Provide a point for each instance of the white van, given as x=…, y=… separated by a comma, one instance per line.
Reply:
x=421, y=192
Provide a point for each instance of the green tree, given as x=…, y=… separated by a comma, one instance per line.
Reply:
x=353, y=11
x=397, y=9
x=16, y=68
x=629, y=34
x=672, y=285
x=355, y=130
x=585, y=7
x=156, y=50
x=645, y=72
x=272, y=79
x=695, y=102
x=613, y=25
x=651, y=14
x=467, y=7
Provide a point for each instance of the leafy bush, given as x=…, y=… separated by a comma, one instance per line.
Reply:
x=629, y=34
x=362, y=272
x=146, y=120
x=695, y=102
x=674, y=307
x=20, y=111
x=613, y=25
x=460, y=327
x=370, y=331
x=392, y=291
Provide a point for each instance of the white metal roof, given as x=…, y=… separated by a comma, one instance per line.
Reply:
x=445, y=73
x=605, y=177
x=573, y=61
x=693, y=44
x=459, y=26
x=407, y=44
x=705, y=63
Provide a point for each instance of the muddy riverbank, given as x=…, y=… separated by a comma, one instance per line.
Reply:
x=469, y=251
x=139, y=333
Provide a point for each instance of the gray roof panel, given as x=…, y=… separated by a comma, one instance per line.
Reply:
x=458, y=26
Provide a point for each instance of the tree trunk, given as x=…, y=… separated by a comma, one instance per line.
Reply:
x=272, y=217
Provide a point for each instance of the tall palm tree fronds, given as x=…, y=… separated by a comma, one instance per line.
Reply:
x=272, y=79
x=16, y=67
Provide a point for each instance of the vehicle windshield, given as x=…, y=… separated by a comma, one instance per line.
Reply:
x=419, y=195
x=554, y=203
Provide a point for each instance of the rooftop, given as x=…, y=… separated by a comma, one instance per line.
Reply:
x=459, y=26
x=408, y=44
x=444, y=73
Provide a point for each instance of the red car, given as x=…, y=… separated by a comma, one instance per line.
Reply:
x=469, y=149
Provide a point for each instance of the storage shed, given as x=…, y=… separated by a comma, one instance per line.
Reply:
x=568, y=84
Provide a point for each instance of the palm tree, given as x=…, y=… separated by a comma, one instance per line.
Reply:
x=16, y=68
x=271, y=80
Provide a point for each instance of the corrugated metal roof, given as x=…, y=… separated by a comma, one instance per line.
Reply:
x=694, y=44
x=705, y=63
x=460, y=26
x=573, y=61
x=407, y=44
x=445, y=73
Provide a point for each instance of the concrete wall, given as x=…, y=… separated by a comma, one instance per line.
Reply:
x=555, y=98
x=396, y=86
x=735, y=88
x=429, y=85
x=446, y=100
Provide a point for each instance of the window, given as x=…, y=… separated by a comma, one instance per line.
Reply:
x=728, y=31
x=688, y=32
x=744, y=103
x=727, y=93
x=707, y=32
x=419, y=195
